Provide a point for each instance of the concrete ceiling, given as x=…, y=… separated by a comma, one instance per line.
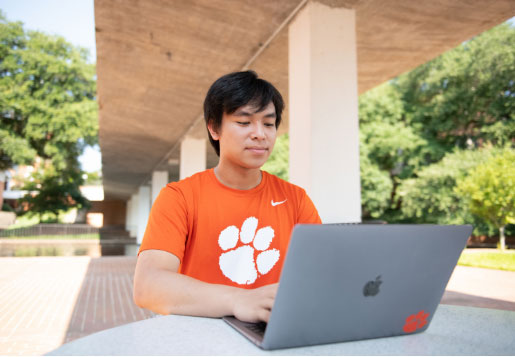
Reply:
x=157, y=58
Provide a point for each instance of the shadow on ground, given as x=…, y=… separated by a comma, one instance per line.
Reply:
x=105, y=298
x=455, y=298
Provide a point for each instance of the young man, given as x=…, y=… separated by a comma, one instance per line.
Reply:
x=216, y=241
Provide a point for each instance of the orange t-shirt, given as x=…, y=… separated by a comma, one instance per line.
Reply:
x=227, y=236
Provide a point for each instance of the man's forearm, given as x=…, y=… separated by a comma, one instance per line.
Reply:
x=166, y=292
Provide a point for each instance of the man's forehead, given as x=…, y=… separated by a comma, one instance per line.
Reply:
x=253, y=108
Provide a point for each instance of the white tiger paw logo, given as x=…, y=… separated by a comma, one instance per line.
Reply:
x=241, y=264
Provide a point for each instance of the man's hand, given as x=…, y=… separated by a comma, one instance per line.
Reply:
x=254, y=305
x=160, y=288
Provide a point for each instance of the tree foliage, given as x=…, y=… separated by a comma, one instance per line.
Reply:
x=431, y=197
x=376, y=188
x=47, y=106
x=390, y=150
x=465, y=97
x=56, y=191
x=489, y=190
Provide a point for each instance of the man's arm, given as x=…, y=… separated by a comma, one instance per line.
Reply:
x=160, y=288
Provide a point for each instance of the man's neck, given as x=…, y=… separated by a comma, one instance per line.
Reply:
x=238, y=177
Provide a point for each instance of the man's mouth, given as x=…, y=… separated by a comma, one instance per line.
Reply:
x=257, y=149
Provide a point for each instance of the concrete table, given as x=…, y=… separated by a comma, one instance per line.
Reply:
x=455, y=330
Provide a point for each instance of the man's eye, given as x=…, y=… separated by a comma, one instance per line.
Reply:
x=243, y=122
x=269, y=124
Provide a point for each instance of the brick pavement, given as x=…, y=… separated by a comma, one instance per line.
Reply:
x=48, y=301
x=105, y=298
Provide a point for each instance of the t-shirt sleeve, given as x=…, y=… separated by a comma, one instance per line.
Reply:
x=167, y=227
x=307, y=210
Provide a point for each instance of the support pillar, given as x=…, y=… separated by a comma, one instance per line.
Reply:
x=159, y=180
x=134, y=215
x=143, y=212
x=324, y=127
x=193, y=156
x=128, y=215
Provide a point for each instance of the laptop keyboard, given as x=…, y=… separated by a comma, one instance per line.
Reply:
x=342, y=224
x=355, y=223
x=258, y=327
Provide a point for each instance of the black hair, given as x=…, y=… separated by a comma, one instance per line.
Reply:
x=235, y=90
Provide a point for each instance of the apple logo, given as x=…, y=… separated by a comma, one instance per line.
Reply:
x=372, y=287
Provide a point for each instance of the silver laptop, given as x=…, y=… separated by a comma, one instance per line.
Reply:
x=353, y=282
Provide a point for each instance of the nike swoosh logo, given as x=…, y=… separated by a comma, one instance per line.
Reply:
x=278, y=203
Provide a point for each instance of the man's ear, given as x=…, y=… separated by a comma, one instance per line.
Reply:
x=212, y=131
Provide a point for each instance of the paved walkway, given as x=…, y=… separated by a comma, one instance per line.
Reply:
x=48, y=301
x=488, y=288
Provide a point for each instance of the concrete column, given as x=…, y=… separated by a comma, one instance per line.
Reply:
x=159, y=180
x=193, y=156
x=324, y=127
x=128, y=215
x=143, y=211
x=133, y=228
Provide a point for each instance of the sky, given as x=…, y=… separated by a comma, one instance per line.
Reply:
x=72, y=19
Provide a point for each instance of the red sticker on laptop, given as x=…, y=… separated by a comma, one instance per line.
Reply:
x=415, y=322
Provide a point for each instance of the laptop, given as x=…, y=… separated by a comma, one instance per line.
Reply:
x=345, y=282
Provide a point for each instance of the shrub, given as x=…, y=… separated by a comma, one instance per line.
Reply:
x=431, y=197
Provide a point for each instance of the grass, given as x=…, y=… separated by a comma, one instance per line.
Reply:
x=59, y=236
x=489, y=259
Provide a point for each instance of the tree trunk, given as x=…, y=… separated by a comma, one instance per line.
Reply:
x=502, y=238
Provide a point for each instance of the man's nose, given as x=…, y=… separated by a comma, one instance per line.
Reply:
x=258, y=131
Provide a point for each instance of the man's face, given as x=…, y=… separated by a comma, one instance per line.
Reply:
x=247, y=137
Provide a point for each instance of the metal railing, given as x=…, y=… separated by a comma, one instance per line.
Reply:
x=44, y=230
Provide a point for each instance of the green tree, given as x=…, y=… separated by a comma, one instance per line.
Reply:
x=47, y=103
x=56, y=191
x=431, y=197
x=390, y=150
x=490, y=191
x=465, y=97
x=376, y=188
